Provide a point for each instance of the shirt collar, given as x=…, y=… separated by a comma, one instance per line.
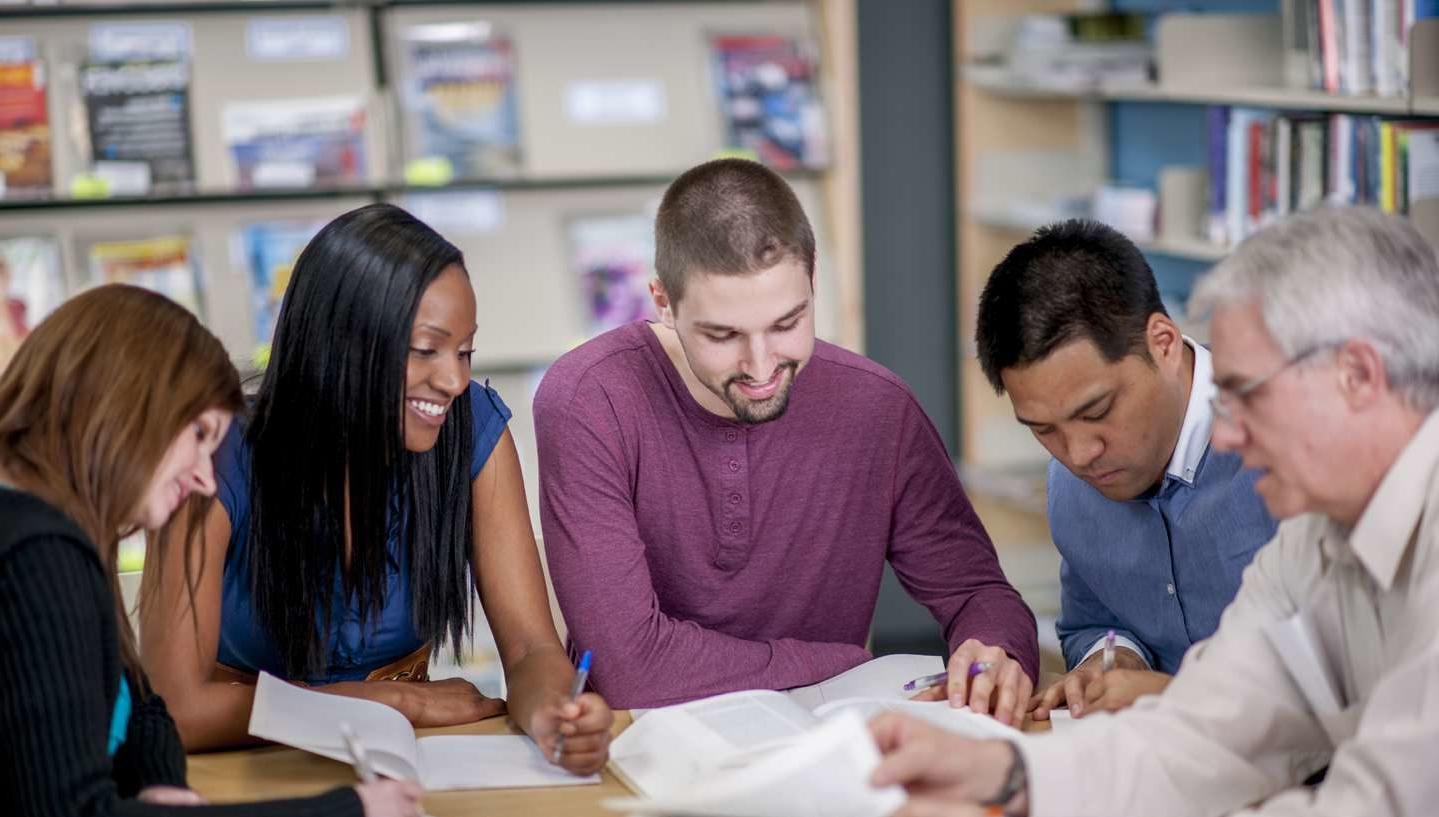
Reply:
x=1382, y=535
x=1198, y=419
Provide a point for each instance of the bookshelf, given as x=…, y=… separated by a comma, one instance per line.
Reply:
x=1023, y=146
x=995, y=80
x=515, y=228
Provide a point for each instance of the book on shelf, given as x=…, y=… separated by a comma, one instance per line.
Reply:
x=138, y=113
x=1268, y=165
x=25, y=135
x=300, y=142
x=1353, y=47
x=460, y=99
x=31, y=286
x=269, y=250
x=768, y=88
x=762, y=753
x=613, y=259
x=164, y=263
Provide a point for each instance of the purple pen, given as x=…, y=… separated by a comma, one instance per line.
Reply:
x=927, y=681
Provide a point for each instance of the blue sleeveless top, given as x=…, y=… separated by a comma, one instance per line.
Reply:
x=356, y=650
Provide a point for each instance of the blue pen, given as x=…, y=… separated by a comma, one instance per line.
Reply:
x=582, y=674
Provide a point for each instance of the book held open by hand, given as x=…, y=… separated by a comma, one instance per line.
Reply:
x=310, y=720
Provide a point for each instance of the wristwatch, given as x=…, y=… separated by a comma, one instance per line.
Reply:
x=1016, y=782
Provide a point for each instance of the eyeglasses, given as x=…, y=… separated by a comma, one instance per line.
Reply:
x=1223, y=400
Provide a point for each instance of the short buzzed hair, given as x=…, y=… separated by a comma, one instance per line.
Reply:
x=728, y=217
x=1073, y=280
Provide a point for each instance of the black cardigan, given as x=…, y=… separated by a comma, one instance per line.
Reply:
x=59, y=675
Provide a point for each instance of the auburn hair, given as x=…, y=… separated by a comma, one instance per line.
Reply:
x=92, y=401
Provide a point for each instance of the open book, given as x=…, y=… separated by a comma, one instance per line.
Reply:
x=310, y=720
x=758, y=753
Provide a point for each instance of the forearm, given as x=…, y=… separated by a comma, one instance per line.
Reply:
x=998, y=617
x=152, y=754
x=212, y=715
x=542, y=674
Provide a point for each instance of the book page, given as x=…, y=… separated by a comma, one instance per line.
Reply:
x=884, y=677
x=961, y=721
x=673, y=747
x=824, y=773
x=451, y=762
x=310, y=720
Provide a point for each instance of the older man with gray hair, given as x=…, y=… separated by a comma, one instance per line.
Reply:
x=1325, y=335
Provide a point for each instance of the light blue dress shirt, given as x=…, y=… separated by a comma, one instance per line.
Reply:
x=1161, y=568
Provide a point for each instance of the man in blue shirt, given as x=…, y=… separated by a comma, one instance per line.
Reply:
x=1153, y=526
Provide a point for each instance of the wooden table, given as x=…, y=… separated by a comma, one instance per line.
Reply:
x=273, y=772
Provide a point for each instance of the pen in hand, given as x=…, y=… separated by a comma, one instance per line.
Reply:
x=1107, y=662
x=927, y=681
x=358, y=758
x=582, y=674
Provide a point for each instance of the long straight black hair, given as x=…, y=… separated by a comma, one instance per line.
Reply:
x=327, y=437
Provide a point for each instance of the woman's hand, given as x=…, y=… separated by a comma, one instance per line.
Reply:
x=170, y=796
x=585, y=724
x=450, y=702
x=390, y=798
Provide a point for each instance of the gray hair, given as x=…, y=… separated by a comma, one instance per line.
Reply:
x=1340, y=273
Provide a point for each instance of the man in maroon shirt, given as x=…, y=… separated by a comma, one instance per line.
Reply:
x=719, y=492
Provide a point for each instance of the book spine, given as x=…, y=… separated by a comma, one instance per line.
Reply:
x=1358, y=68
x=1387, y=201
x=1236, y=162
x=1329, y=44
x=1283, y=165
x=1218, y=120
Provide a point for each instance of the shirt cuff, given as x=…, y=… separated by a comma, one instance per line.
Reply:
x=1119, y=641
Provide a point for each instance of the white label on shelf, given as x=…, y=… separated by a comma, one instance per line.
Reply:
x=125, y=178
x=283, y=174
x=297, y=39
x=112, y=42
x=17, y=49
x=467, y=212
x=615, y=101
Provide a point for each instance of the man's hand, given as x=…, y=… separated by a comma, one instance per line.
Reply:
x=1002, y=689
x=1120, y=688
x=941, y=772
x=1073, y=688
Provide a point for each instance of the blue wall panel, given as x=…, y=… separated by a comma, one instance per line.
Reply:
x=1146, y=136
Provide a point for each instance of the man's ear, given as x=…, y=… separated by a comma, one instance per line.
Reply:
x=1362, y=377
x=1164, y=339
x=664, y=307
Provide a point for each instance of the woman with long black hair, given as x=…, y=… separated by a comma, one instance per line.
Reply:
x=372, y=485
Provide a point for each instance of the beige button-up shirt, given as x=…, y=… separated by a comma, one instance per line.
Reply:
x=1234, y=733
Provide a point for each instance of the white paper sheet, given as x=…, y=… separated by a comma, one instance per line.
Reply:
x=884, y=677
x=490, y=762
x=824, y=773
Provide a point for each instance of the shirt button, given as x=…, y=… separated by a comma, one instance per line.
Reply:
x=734, y=466
x=730, y=436
x=734, y=499
x=735, y=527
x=1169, y=588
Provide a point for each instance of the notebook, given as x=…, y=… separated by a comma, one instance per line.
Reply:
x=309, y=720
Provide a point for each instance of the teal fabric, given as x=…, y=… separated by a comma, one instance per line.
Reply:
x=120, y=718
